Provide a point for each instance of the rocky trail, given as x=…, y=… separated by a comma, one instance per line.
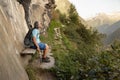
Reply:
x=42, y=70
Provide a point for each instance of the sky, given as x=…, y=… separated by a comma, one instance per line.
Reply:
x=89, y=8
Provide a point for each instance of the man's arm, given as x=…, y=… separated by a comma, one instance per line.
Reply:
x=42, y=31
x=34, y=41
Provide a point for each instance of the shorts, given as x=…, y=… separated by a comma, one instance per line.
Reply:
x=42, y=46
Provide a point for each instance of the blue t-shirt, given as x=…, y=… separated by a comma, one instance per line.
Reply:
x=36, y=34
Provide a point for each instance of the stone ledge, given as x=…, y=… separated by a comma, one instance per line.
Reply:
x=36, y=63
x=28, y=51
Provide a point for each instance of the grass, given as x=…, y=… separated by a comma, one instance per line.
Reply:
x=31, y=72
x=35, y=56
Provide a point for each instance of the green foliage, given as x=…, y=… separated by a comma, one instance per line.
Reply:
x=63, y=18
x=49, y=37
x=34, y=57
x=116, y=45
x=77, y=56
x=31, y=73
x=53, y=24
x=78, y=66
x=65, y=68
x=108, y=66
x=73, y=15
x=88, y=36
x=72, y=63
x=55, y=14
x=67, y=43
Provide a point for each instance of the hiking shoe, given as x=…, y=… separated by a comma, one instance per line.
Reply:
x=45, y=60
x=47, y=57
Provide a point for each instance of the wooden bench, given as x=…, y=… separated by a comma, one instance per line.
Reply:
x=28, y=51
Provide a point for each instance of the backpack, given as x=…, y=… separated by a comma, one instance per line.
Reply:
x=28, y=38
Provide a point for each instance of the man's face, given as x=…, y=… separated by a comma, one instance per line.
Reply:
x=40, y=25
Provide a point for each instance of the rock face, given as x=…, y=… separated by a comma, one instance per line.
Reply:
x=12, y=30
x=35, y=10
x=14, y=19
x=63, y=5
x=39, y=13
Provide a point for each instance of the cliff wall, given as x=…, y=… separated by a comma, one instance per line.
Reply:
x=15, y=17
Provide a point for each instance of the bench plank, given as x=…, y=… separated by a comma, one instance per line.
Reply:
x=28, y=51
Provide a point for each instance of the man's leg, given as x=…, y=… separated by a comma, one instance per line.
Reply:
x=45, y=48
x=45, y=58
x=45, y=51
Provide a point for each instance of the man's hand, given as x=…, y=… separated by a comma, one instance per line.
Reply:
x=38, y=49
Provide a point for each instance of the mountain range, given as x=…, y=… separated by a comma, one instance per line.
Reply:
x=108, y=24
x=109, y=29
x=113, y=33
x=102, y=19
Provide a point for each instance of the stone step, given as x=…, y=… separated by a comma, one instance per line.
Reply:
x=28, y=51
x=44, y=65
x=49, y=65
x=36, y=63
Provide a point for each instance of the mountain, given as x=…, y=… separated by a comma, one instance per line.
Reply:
x=103, y=28
x=108, y=29
x=101, y=19
x=108, y=24
x=114, y=33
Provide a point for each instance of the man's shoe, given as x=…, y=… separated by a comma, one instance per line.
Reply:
x=47, y=57
x=45, y=60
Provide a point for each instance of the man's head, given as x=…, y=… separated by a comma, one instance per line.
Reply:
x=37, y=25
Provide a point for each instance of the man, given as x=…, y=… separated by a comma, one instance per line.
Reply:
x=37, y=43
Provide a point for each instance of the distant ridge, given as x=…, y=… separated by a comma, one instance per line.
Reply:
x=102, y=19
